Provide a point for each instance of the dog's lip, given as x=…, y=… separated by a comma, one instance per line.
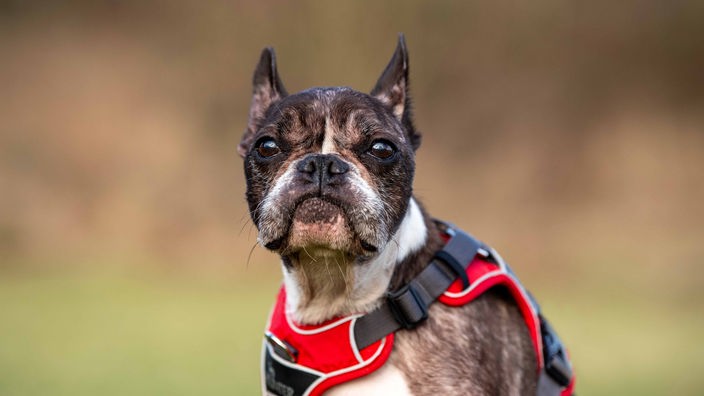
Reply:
x=321, y=197
x=280, y=244
x=324, y=198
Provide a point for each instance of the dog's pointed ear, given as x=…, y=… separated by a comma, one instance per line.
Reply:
x=267, y=90
x=392, y=89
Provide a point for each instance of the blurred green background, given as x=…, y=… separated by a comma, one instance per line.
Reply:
x=569, y=135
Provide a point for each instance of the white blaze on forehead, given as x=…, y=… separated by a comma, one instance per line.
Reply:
x=328, y=139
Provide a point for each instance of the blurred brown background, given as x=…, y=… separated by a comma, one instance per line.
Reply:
x=569, y=135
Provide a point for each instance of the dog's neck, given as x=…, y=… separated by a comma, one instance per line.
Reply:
x=325, y=284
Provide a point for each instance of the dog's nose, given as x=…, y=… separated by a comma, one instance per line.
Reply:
x=323, y=167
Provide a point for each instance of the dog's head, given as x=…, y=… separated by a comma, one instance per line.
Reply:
x=329, y=170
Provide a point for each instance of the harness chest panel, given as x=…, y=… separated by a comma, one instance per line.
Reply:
x=318, y=357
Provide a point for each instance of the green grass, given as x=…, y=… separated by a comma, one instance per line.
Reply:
x=88, y=335
x=630, y=345
x=120, y=334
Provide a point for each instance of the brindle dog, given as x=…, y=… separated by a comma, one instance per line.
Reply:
x=329, y=185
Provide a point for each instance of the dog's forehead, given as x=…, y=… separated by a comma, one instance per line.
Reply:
x=342, y=110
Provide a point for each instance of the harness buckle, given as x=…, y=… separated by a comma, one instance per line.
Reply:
x=556, y=364
x=282, y=348
x=407, y=306
x=558, y=370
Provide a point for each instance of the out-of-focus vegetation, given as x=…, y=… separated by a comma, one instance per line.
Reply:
x=568, y=135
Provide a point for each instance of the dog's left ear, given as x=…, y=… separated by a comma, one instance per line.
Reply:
x=267, y=89
x=392, y=89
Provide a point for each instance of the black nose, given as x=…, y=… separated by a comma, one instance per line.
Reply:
x=323, y=168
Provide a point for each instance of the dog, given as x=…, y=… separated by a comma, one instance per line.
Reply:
x=329, y=175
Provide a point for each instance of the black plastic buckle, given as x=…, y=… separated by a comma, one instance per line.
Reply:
x=558, y=369
x=407, y=306
x=281, y=347
x=556, y=364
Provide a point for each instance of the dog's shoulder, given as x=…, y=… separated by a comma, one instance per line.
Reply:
x=482, y=348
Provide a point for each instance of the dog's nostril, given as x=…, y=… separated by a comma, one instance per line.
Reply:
x=338, y=167
x=307, y=166
x=328, y=165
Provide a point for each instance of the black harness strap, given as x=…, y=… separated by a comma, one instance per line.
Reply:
x=408, y=307
x=455, y=265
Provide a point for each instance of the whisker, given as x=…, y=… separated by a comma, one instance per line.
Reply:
x=245, y=222
x=309, y=255
x=345, y=279
x=327, y=267
x=249, y=256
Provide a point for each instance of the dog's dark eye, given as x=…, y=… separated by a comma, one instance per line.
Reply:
x=382, y=149
x=267, y=148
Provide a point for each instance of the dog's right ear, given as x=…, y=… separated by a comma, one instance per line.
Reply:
x=392, y=90
x=267, y=89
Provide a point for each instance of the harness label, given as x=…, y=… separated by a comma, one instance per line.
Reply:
x=282, y=380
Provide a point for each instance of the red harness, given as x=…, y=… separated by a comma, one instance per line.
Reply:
x=308, y=360
x=326, y=352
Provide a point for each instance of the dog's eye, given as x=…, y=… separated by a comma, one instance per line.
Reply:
x=382, y=149
x=267, y=148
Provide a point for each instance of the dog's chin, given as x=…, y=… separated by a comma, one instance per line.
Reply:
x=322, y=225
x=322, y=228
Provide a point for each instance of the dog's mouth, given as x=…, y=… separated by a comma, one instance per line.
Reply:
x=319, y=211
x=320, y=224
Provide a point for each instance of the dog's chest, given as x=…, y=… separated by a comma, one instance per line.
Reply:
x=387, y=381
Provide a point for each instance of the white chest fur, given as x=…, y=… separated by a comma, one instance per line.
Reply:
x=387, y=381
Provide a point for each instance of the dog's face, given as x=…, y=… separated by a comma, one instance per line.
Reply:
x=329, y=170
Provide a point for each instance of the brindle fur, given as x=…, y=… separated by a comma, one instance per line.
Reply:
x=482, y=348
